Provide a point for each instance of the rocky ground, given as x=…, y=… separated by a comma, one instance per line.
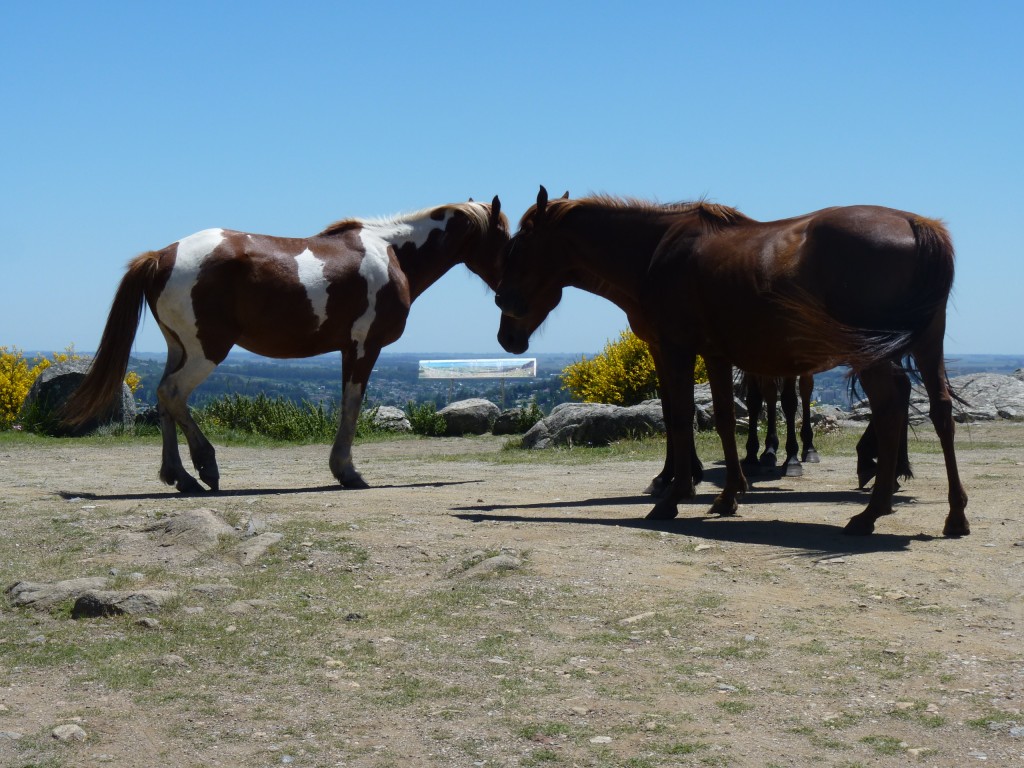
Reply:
x=480, y=608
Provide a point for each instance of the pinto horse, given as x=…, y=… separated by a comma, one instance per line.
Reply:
x=348, y=288
x=864, y=286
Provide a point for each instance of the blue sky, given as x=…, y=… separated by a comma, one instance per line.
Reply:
x=127, y=126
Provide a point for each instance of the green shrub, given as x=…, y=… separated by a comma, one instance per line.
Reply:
x=622, y=374
x=528, y=416
x=425, y=420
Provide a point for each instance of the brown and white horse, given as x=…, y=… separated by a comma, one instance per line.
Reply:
x=863, y=286
x=348, y=288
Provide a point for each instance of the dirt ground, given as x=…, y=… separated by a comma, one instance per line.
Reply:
x=387, y=629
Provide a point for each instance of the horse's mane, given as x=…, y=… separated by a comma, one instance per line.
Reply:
x=711, y=215
x=477, y=213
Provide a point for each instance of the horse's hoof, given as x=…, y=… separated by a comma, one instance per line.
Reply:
x=211, y=480
x=794, y=469
x=663, y=510
x=954, y=529
x=188, y=485
x=657, y=487
x=354, y=483
x=769, y=460
x=723, y=507
x=811, y=457
x=860, y=525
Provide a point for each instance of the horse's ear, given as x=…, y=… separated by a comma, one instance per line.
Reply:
x=495, y=208
x=542, y=200
x=471, y=199
x=566, y=195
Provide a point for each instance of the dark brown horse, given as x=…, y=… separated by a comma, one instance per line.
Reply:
x=348, y=288
x=863, y=286
x=766, y=391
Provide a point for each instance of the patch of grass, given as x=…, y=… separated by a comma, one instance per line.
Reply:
x=734, y=707
x=884, y=745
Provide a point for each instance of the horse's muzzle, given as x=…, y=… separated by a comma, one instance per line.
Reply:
x=512, y=342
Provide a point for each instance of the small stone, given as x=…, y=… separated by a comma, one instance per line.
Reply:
x=68, y=733
x=1017, y=731
x=172, y=660
x=10, y=735
x=601, y=740
x=702, y=547
x=147, y=622
x=726, y=688
x=581, y=710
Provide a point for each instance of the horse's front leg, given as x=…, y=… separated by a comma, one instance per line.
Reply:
x=770, y=457
x=720, y=378
x=662, y=482
x=676, y=377
x=355, y=375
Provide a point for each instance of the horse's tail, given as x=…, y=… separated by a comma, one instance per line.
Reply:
x=102, y=383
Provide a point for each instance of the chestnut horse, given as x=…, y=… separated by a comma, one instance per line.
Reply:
x=348, y=288
x=864, y=286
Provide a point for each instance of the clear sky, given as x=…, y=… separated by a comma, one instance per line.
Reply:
x=126, y=126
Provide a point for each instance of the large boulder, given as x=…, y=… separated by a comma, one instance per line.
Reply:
x=985, y=396
x=595, y=424
x=391, y=419
x=469, y=417
x=51, y=389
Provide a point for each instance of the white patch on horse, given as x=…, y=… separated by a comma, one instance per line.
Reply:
x=311, y=275
x=377, y=236
x=174, y=306
x=374, y=269
x=413, y=229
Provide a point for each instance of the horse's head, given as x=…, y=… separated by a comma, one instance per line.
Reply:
x=533, y=273
x=484, y=233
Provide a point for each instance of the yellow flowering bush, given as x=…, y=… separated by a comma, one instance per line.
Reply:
x=17, y=374
x=622, y=374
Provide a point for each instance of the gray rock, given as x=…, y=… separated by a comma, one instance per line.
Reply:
x=68, y=733
x=595, y=424
x=52, y=388
x=986, y=396
x=509, y=422
x=96, y=603
x=200, y=529
x=469, y=417
x=44, y=596
x=496, y=564
x=251, y=550
x=391, y=419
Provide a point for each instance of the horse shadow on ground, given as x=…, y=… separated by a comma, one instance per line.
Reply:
x=812, y=539
x=236, y=492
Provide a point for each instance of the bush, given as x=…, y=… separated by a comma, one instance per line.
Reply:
x=17, y=374
x=425, y=420
x=528, y=416
x=622, y=374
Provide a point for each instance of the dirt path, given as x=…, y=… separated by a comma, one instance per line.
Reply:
x=468, y=612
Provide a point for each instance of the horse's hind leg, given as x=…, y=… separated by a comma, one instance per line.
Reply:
x=810, y=454
x=933, y=373
x=792, y=467
x=883, y=386
x=355, y=375
x=182, y=375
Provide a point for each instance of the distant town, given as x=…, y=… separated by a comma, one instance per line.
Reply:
x=396, y=381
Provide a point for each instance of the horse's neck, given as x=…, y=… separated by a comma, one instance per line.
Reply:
x=422, y=263
x=613, y=260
